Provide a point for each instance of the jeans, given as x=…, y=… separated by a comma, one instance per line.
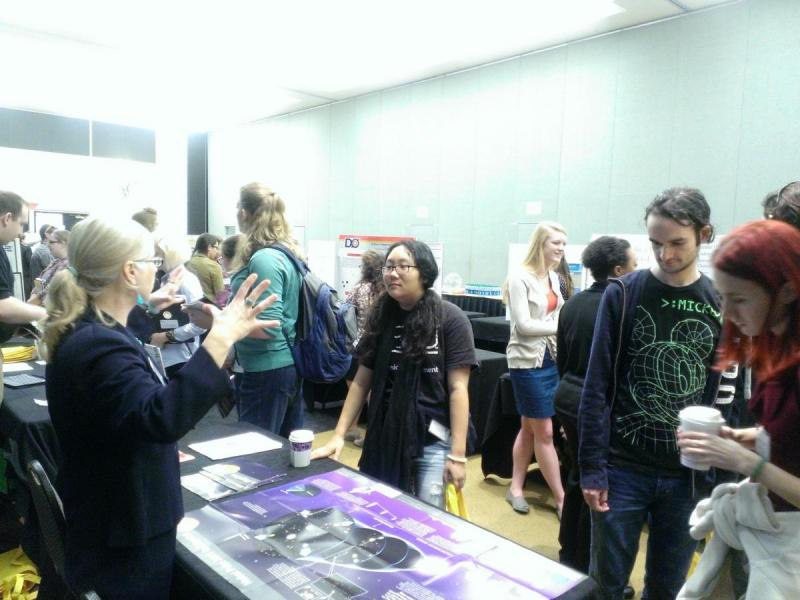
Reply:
x=635, y=498
x=272, y=400
x=429, y=473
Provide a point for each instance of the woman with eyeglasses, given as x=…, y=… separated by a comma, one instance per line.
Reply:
x=534, y=301
x=757, y=273
x=415, y=359
x=58, y=248
x=116, y=420
x=204, y=264
x=271, y=393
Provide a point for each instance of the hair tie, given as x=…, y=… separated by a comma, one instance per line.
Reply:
x=73, y=270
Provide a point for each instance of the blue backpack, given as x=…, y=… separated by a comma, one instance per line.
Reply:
x=326, y=328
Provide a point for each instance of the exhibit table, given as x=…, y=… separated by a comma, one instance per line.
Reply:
x=482, y=385
x=326, y=531
x=28, y=434
x=25, y=426
x=471, y=314
x=500, y=430
x=489, y=305
x=491, y=333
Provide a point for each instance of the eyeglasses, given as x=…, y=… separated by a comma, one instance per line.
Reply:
x=401, y=269
x=156, y=260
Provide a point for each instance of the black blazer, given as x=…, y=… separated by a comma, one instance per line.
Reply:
x=117, y=425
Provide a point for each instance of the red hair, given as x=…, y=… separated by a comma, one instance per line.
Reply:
x=768, y=254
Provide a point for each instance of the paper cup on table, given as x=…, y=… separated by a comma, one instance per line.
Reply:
x=300, y=441
x=703, y=419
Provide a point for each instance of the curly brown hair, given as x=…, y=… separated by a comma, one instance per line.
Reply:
x=371, y=264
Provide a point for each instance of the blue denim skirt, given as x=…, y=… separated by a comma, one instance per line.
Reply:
x=534, y=389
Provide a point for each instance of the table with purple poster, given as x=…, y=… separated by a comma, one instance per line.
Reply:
x=337, y=534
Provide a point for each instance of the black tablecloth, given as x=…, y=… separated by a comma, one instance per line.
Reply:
x=28, y=434
x=501, y=427
x=471, y=314
x=482, y=384
x=26, y=429
x=491, y=307
x=194, y=580
x=491, y=333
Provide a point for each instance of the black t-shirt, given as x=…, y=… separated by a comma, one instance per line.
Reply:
x=6, y=291
x=668, y=358
x=6, y=277
x=459, y=348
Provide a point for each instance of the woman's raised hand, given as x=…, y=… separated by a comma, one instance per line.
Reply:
x=166, y=295
x=239, y=319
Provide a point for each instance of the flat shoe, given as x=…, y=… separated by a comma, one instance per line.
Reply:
x=352, y=435
x=518, y=503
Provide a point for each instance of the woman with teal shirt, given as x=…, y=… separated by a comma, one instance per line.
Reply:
x=270, y=393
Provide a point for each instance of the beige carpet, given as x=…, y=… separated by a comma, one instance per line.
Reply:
x=538, y=530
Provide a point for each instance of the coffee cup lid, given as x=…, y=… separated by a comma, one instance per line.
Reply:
x=701, y=414
x=301, y=435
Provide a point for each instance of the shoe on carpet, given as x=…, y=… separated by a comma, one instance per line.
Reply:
x=352, y=435
x=518, y=503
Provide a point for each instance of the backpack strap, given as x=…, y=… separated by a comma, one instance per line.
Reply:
x=299, y=264
x=302, y=268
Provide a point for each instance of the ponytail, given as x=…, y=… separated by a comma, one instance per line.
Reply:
x=265, y=217
x=66, y=301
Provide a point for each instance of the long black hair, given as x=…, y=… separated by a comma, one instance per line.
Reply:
x=421, y=322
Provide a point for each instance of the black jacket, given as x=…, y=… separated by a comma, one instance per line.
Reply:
x=574, y=343
x=117, y=425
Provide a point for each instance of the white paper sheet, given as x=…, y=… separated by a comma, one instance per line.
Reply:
x=16, y=367
x=235, y=445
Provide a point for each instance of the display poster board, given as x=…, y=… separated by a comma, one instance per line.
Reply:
x=322, y=261
x=350, y=248
x=340, y=535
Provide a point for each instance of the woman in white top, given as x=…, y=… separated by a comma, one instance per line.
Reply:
x=178, y=344
x=534, y=301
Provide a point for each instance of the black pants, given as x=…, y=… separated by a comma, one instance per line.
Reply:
x=574, y=534
x=131, y=573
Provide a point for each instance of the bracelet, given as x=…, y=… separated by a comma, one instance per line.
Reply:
x=457, y=459
x=170, y=335
x=757, y=469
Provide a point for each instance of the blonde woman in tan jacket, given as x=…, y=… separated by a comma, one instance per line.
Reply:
x=534, y=300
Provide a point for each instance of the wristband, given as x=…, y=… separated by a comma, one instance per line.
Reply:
x=170, y=335
x=757, y=469
x=457, y=459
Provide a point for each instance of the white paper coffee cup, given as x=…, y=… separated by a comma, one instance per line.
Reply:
x=300, y=441
x=703, y=419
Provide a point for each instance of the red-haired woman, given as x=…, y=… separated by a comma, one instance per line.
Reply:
x=757, y=272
